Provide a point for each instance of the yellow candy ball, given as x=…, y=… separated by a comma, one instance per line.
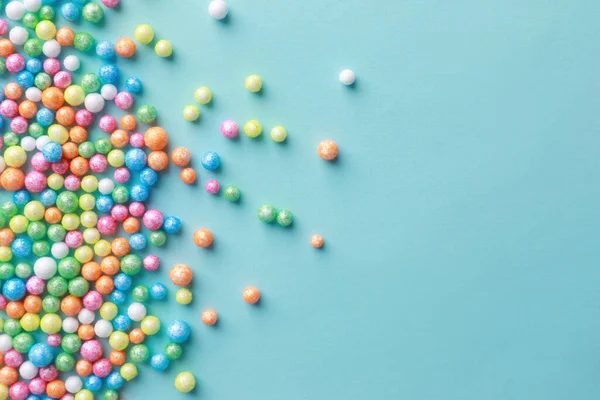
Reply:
x=163, y=48
x=118, y=340
x=278, y=134
x=89, y=183
x=144, y=33
x=74, y=95
x=203, y=95
x=252, y=128
x=51, y=323
x=150, y=325
x=185, y=382
x=109, y=311
x=18, y=224
x=45, y=30
x=3, y=391
x=84, y=254
x=34, y=210
x=84, y=395
x=30, y=322
x=15, y=156
x=5, y=254
x=183, y=296
x=253, y=83
x=102, y=248
x=116, y=158
x=56, y=182
x=70, y=221
x=87, y=202
x=91, y=235
x=58, y=133
x=129, y=371
x=191, y=113
x=89, y=219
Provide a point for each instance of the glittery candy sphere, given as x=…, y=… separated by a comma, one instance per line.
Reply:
x=185, y=381
x=211, y=161
x=178, y=331
x=285, y=218
x=253, y=83
x=212, y=186
x=144, y=33
x=251, y=295
x=317, y=241
x=203, y=237
x=266, y=213
x=229, y=129
x=328, y=150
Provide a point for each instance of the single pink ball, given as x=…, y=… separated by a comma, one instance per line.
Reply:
x=212, y=186
x=15, y=63
x=153, y=219
x=9, y=108
x=74, y=239
x=151, y=262
x=19, y=391
x=72, y=183
x=54, y=340
x=51, y=66
x=122, y=175
x=107, y=123
x=61, y=167
x=37, y=386
x=3, y=27
x=137, y=209
x=91, y=350
x=102, y=368
x=39, y=162
x=48, y=373
x=35, y=181
x=13, y=358
x=3, y=303
x=98, y=163
x=119, y=212
x=230, y=129
x=35, y=285
x=92, y=300
x=84, y=118
x=137, y=140
x=124, y=100
x=63, y=80
x=111, y=3
x=19, y=125
x=107, y=225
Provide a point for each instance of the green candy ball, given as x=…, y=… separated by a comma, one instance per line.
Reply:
x=131, y=264
x=86, y=149
x=9, y=209
x=285, y=218
x=173, y=351
x=91, y=83
x=103, y=146
x=69, y=267
x=42, y=81
x=2, y=67
x=41, y=248
x=71, y=343
x=30, y=20
x=51, y=304
x=46, y=13
x=12, y=327
x=232, y=193
x=140, y=293
x=266, y=213
x=111, y=394
x=56, y=233
x=23, y=270
x=33, y=47
x=67, y=202
x=3, y=221
x=36, y=230
x=78, y=287
x=64, y=362
x=83, y=41
x=7, y=271
x=57, y=286
x=139, y=353
x=36, y=130
x=158, y=238
x=23, y=342
x=147, y=114
x=11, y=139
x=92, y=12
x=120, y=194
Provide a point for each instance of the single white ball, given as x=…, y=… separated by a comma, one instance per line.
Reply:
x=94, y=102
x=34, y=94
x=70, y=325
x=86, y=316
x=32, y=5
x=217, y=9
x=15, y=10
x=51, y=48
x=71, y=63
x=347, y=77
x=5, y=343
x=106, y=186
x=45, y=267
x=42, y=141
x=73, y=384
x=103, y=328
x=136, y=311
x=59, y=250
x=27, y=370
x=18, y=35
x=28, y=143
x=2, y=164
x=108, y=91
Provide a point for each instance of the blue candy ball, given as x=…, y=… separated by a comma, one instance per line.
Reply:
x=172, y=225
x=44, y=117
x=21, y=247
x=123, y=281
x=211, y=161
x=133, y=84
x=138, y=241
x=148, y=177
x=122, y=322
x=32, y=397
x=52, y=152
x=178, y=331
x=118, y=297
x=106, y=50
x=70, y=11
x=40, y=355
x=25, y=79
x=109, y=73
x=34, y=65
x=114, y=381
x=48, y=197
x=104, y=203
x=158, y=291
x=139, y=193
x=159, y=362
x=21, y=197
x=135, y=159
x=14, y=289
x=93, y=383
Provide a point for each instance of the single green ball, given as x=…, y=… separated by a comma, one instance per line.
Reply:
x=56, y=233
x=147, y=114
x=232, y=193
x=266, y=213
x=10, y=139
x=12, y=327
x=78, y=287
x=91, y=83
x=33, y=47
x=285, y=218
x=158, y=238
x=30, y=20
x=69, y=267
x=36, y=130
x=23, y=342
x=9, y=208
x=67, y=202
x=83, y=41
x=131, y=264
x=57, y=286
x=139, y=353
x=2, y=67
x=103, y=146
x=120, y=194
x=7, y=271
x=42, y=81
x=36, y=230
x=23, y=270
x=173, y=351
x=111, y=394
x=46, y=13
x=86, y=149
x=41, y=248
x=64, y=362
x=140, y=293
x=92, y=12
x=51, y=304
x=71, y=343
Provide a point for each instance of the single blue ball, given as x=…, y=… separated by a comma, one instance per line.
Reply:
x=93, y=383
x=133, y=84
x=44, y=117
x=104, y=203
x=14, y=289
x=118, y=297
x=123, y=281
x=109, y=73
x=40, y=355
x=70, y=12
x=148, y=177
x=178, y=331
x=52, y=152
x=122, y=323
x=34, y=65
x=138, y=241
x=159, y=362
x=48, y=197
x=211, y=161
x=139, y=192
x=106, y=50
x=135, y=159
x=172, y=225
x=21, y=198
x=25, y=79
x=158, y=291
x=32, y=397
x=22, y=247
x=114, y=381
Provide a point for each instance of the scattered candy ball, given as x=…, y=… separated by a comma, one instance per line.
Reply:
x=191, y=113
x=266, y=213
x=317, y=241
x=253, y=83
x=284, y=218
x=144, y=33
x=218, y=9
x=347, y=77
x=232, y=193
x=209, y=317
x=278, y=134
x=185, y=382
x=252, y=128
x=229, y=129
x=181, y=275
x=203, y=237
x=163, y=48
x=183, y=296
x=251, y=295
x=328, y=150
x=203, y=95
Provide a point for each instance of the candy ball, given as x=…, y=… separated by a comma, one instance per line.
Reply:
x=203, y=95
x=181, y=275
x=15, y=10
x=203, y=237
x=185, y=381
x=251, y=295
x=183, y=296
x=125, y=47
x=232, y=193
x=266, y=213
x=278, y=134
x=212, y=186
x=252, y=128
x=211, y=161
x=191, y=113
x=144, y=33
x=285, y=218
x=218, y=9
x=158, y=291
x=253, y=83
x=129, y=371
x=229, y=129
x=347, y=77
x=159, y=362
x=163, y=48
x=317, y=241
x=178, y=331
x=136, y=311
x=328, y=150
x=181, y=156
x=40, y=355
x=209, y=317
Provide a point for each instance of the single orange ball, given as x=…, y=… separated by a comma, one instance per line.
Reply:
x=6, y=237
x=110, y=265
x=71, y=305
x=125, y=47
x=83, y=367
x=117, y=357
x=53, y=215
x=203, y=237
x=65, y=36
x=328, y=150
x=128, y=122
x=56, y=389
x=91, y=271
x=158, y=160
x=181, y=156
x=27, y=109
x=65, y=116
x=70, y=150
x=131, y=225
x=53, y=98
x=12, y=179
x=6, y=48
x=120, y=247
x=15, y=309
x=156, y=138
x=105, y=285
x=8, y=375
x=188, y=176
x=13, y=91
x=317, y=241
x=78, y=134
x=79, y=166
x=32, y=304
x=251, y=295
x=209, y=317
x=86, y=332
x=136, y=336
x=181, y=275
x=119, y=138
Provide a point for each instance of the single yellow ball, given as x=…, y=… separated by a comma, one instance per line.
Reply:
x=15, y=156
x=5, y=254
x=87, y=202
x=253, y=83
x=129, y=371
x=116, y=158
x=89, y=219
x=118, y=340
x=70, y=222
x=51, y=323
x=183, y=296
x=74, y=95
x=18, y=224
x=185, y=382
x=163, y=48
x=102, y=248
x=84, y=254
x=58, y=133
x=34, y=210
x=203, y=95
x=3, y=391
x=109, y=311
x=278, y=134
x=150, y=325
x=45, y=30
x=191, y=113
x=252, y=128
x=91, y=235
x=84, y=395
x=56, y=181
x=30, y=322
x=144, y=33
x=89, y=183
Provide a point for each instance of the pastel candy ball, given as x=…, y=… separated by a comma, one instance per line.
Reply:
x=284, y=218
x=191, y=113
x=185, y=381
x=144, y=33
x=172, y=224
x=203, y=95
x=278, y=134
x=347, y=77
x=328, y=150
x=218, y=9
x=163, y=48
x=91, y=350
x=229, y=129
x=211, y=161
x=178, y=331
x=159, y=362
x=212, y=186
x=252, y=128
x=153, y=219
x=40, y=355
x=253, y=83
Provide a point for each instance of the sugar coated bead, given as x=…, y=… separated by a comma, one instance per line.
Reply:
x=125, y=47
x=251, y=295
x=266, y=213
x=203, y=95
x=328, y=150
x=178, y=331
x=232, y=193
x=188, y=175
x=159, y=362
x=150, y=325
x=136, y=311
x=163, y=48
x=40, y=355
x=209, y=317
x=253, y=83
x=181, y=275
x=111, y=3
x=317, y=241
x=129, y=371
x=347, y=77
x=15, y=10
x=133, y=85
x=285, y=218
x=252, y=128
x=191, y=113
x=185, y=381
x=229, y=129
x=278, y=134
x=183, y=296
x=147, y=114
x=212, y=186
x=181, y=156
x=218, y=9
x=211, y=161
x=151, y=262
x=203, y=237
x=144, y=33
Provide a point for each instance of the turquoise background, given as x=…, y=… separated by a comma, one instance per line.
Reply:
x=461, y=220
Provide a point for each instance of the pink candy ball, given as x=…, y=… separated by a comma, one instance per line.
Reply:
x=13, y=358
x=51, y=66
x=35, y=285
x=107, y=124
x=19, y=125
x=63, y=79
x=92, y=300
x=74, y=239
x=124, y=100
x=48, y=373
x=111, y=3
x=19, y=391
x=98, y=163
x=15, y=63
x=122, y=175
x=72, y=183
x=212, y=186
x=153, y=219
x=3, y=303
x=151, y=262
x=137, y=209
x=102, y=368
x=61, y=167
x=107, y=225
x=84, y=118
x=136, y=140
x=35, y=182
x=91, y=350
x=230, y=129
x=119, y=212
x=9, y=108
x=39, y=162
x=54, y=340
x=37, y=386
x=3, y=27
x=68, y=396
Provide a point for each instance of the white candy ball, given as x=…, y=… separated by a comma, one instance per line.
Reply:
x=71, y=63
x=103, y=328
x=73, y=384
x=34, y=94
x=45, y=267
x=108, y=91
x=86, y=316
x=136, y=311
x=347, y=77
x=59, y=250
x=32, y=5
x=94, y=102
x=217, y=9
x=2, y=164
x=42, y=141
x=51, y=48
x=28, y=143
x=18, y=35
x=70, y=325
x=28, y=370
x=15, y=10
x=106, y=186
x=5, y=343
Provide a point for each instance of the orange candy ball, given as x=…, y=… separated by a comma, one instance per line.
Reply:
x=181, y=156
x=78, y=134
x=125, y=47
x=181, y=275
x=53, y=215
x=251, y=295
x=86, y=332
x=117, y=357
x=120, y=247
x=71, y=305
x=119, y=138
x=128, y=122
x=105, y=285
x=188, y=176
x=53, y=98
x=6, y=237
x=15, y=309
x=317, y=241
x=56, y=389
x=83, y=367
x=91, y=271
x=209, y=317
x=8, y=375
x=65, y=36
x=131, y=225
x=110, y=265
x=136, y=336
x=79, y=166
x=13, y=91
x=328, y=150
x=65, y=116
x=70, y=150
x=158, y=160
x=32, y=304
x=203, y=237
x=6, y=48
x=156, y=138
x=12, y=179
x=27, y=109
